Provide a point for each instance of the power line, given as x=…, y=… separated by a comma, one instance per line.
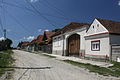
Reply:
x=25, y=8
x=3, y=8
x=14, y=18
x=1, y=23
x=3, y=14
x=58, y=10
x=52, y=7
x=40, y=14
x=32, y=11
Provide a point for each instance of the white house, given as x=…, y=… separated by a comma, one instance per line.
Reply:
x=101, y=35
x=70, y=40
x=84, y=40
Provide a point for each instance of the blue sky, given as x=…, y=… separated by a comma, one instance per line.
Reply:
x=24, y=22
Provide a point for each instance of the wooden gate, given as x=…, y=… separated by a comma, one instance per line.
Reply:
x=74, y=45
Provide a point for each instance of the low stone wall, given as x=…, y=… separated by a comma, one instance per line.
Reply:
x=104, y=58
x=57, y=52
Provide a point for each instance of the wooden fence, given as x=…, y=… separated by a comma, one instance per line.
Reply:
x=115, y=49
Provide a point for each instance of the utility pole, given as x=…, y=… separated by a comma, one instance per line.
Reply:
x=4, y=33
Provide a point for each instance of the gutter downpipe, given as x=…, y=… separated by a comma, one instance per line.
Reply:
x=110, y=52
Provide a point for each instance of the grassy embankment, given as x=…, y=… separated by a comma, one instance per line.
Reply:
x=112, y=71
x=5, y=61
x=49, y=56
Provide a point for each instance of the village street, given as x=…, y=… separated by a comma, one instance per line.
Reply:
x=39, y=67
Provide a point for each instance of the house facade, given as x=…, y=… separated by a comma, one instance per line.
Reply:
x=25, y=46
x=70, y=40
x=101, y=35
x=35, y=42
x=84, y=40
x=47, y=36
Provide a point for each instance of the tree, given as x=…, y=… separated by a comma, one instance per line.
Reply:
x=20, y=44
x=7, y=42
x=55, y=30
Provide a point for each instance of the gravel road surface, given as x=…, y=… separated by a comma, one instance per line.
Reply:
x=31, y=66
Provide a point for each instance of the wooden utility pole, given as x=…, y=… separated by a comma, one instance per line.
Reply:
x=4, y=33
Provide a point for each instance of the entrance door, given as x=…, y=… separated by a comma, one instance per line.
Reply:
x=74, y=45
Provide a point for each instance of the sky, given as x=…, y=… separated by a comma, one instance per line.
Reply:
x=26, y=19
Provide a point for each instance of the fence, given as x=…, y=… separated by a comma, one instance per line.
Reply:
x=115, y=49
x=45, y=48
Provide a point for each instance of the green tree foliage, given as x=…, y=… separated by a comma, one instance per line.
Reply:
x=20, y=44
x=5, y=44
x=55, y=30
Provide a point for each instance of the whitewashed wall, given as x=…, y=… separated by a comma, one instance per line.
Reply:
x=80, y=32
x=98, y=28
x=95, y=29
x=104, y=45
x=57, y=45
x=59, y=49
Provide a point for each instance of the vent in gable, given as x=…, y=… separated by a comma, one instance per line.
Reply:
x=97, y=25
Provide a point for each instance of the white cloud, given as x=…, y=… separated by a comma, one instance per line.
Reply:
x=24, y=38
x=29, y=38
x=39, y=30
x=33, y=1
x=2, y=38
x=46, y=30
x=118, y=3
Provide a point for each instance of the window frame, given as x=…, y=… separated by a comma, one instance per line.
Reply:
x=55, y=43
x=59, y=41
x=92, y=45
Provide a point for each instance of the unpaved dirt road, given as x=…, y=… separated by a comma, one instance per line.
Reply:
x=38, y=67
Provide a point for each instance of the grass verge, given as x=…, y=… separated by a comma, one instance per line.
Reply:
x=112, y=71
x=49, y=56
x=5, y=61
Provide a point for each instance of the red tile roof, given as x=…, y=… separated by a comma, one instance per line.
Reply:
x=70, y=27
x=112, y=26
x=49, y=34
x=25, y=43
x=33, y=41
x=39, y=38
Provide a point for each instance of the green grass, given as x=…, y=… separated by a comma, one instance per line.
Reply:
x=5, y=60
x=116, y=66
x=112, y=71
x=49, y=56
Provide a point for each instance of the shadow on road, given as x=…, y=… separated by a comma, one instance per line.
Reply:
x=28, y=67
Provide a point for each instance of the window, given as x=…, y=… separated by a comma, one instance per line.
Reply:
x=59, y=41
x=93, y=27
x=55, y=41
x=95, y=45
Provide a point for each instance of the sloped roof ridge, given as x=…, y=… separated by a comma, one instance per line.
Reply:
x=111, y=26
x=107, y=20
